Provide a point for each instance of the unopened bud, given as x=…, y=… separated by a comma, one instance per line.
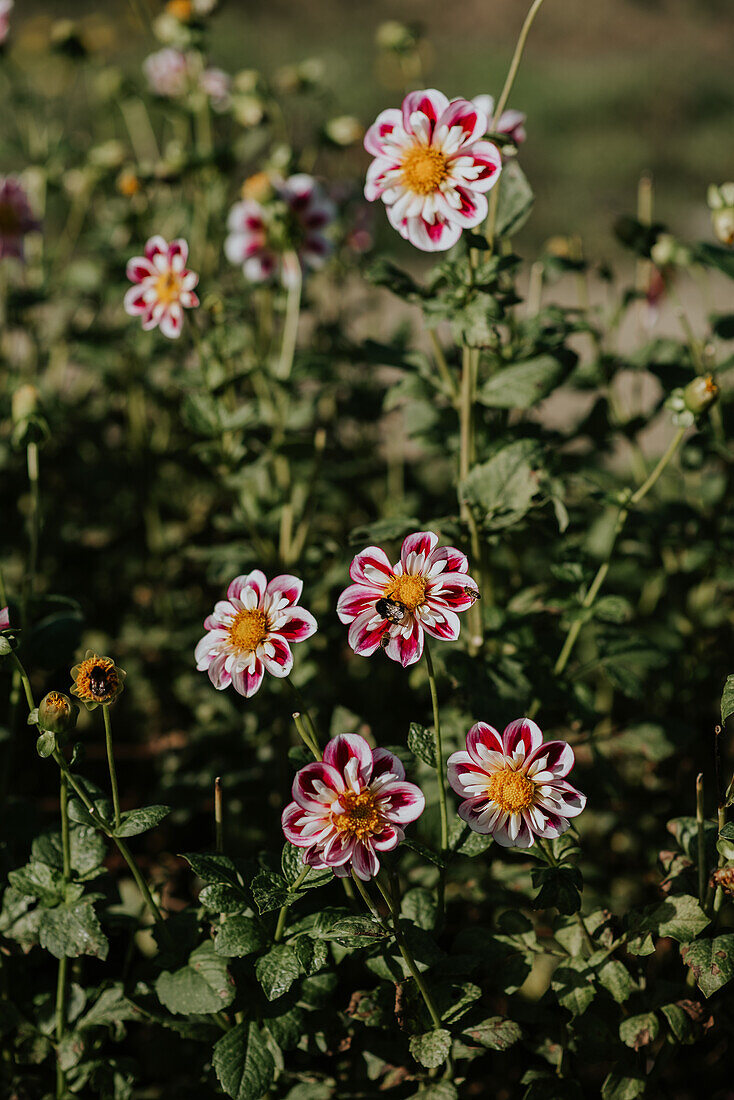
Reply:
x=25, y=403
x=700, y=394
x=57, y=713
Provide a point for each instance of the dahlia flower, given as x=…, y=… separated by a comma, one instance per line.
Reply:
x=294, y=221
x=164, y=287
x=510, y=123
x=431, y=168
x=96, y=680
x=389, y=606
x=4, y=618
x=16, y=218
x=168, y=72
x=250, y=632
x=350, y=807
x=6, y=6
x=514, y=786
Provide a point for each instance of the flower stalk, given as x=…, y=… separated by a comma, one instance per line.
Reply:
x=408, y=955
x=111, y=766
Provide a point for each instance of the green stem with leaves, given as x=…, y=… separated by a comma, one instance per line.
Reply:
x=440, y=777
x=408, y=956
x=62, y=981
x=292, y=314
x=282, y=915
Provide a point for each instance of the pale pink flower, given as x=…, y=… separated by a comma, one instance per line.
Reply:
x=6, y=6
x=431, y=168
x=217, y=85
x=510, y=123
x=251, y=631
x=163, y=286
x=16, y=217
x=514, y=786
x=168, y=72
x=4, y=618
x=389, y=606
x=350, y=807
x=293, y=223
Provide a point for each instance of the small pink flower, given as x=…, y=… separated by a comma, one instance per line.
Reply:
x=6, y=6
x=168, y=72
x=431, y=168
x=216, y=84
x=4, y=618
x=389, y=606
x=261, y=236
x=250, y=632
x=16, y=217
x=513, y=786
x=164, y=287
x=510, y=123
x=350, y=807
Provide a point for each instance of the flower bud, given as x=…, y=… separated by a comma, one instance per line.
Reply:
x=24, y=403
x=700, y=394
x=57, y=713
x=395, y=36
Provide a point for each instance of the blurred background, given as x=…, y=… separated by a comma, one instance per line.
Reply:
x=611, y=88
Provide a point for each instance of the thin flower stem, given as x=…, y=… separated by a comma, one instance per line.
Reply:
x=61, y=984
x=307, y=719
x=29, y=581
x=280, y=926
x=111, y=765
x=516, y=58
x=443, y=367
x=305, y=735
x=367, y=899
x=598, y=581
x=25, y=682
x=439, y=776
x=408, y=956
x=218, y=814
x=292, y=314
x=701, y=841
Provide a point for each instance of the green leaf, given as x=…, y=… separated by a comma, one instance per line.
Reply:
x=239, y=936
x=422, y=743
x=287, y=1028
x=496, y=1033
x=523, y=384
x=680, y=917
x=686, y=1019
x=243, y=1063
x=465, y=842
x=515, y=202
x=504, y=487
x=355, y=932
x=213, y=868
x=203, y=985
x=38, y=880
x=712, y=962
x=71, y=930
x=622, y=1085
x=639, y=1031
x=46, y=744
x=432, y=1048
x=616, y=979
x=277, y=971
x=220, y=898
x=111, y=1007
x=134, y=822
x=573, y=985
x=419, y=906
x=714, y=255
x=727, y=699
x=270, y=891
x=292, y=864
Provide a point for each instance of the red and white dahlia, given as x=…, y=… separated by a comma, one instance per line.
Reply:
x=4, y=618
x=389, y=606
x=168, y=72
x=251, y=631
x=164, y=287
x=350, y=807
x=431, y=168
x=514, y=786
x=510, y=124
x=292, y=223
x=16, y=217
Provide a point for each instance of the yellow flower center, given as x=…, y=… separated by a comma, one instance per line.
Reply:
x=410, y=591
x=248, y=630
x=97, y=679
x=424, y=169
x=168, y=288
x=511, y=790
x=360, y=817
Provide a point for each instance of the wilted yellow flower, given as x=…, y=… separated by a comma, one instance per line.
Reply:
x=97, y=680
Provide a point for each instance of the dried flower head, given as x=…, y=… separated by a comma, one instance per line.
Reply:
x=97, y=681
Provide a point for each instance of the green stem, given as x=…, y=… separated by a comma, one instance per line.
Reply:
x=218, y=815
x=443, y=367
x=408, y=956
x=25, y=682
x=61, y=984
x=702, y=877
x=292, y=313
x=516, y=57
x=305, y=735
x=282, y=915
x=439, y=777
x=111, y=765
x=313, y=743
x=33, y=532
x=598, y=581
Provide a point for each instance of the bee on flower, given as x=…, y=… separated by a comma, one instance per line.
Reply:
x=264, y=236
x=514, y=786
x=390, y=606
x=16, y=217
x=349, y=808
x=96, y=680
x=163, y=286
x=252, y=631
x=432, y=168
